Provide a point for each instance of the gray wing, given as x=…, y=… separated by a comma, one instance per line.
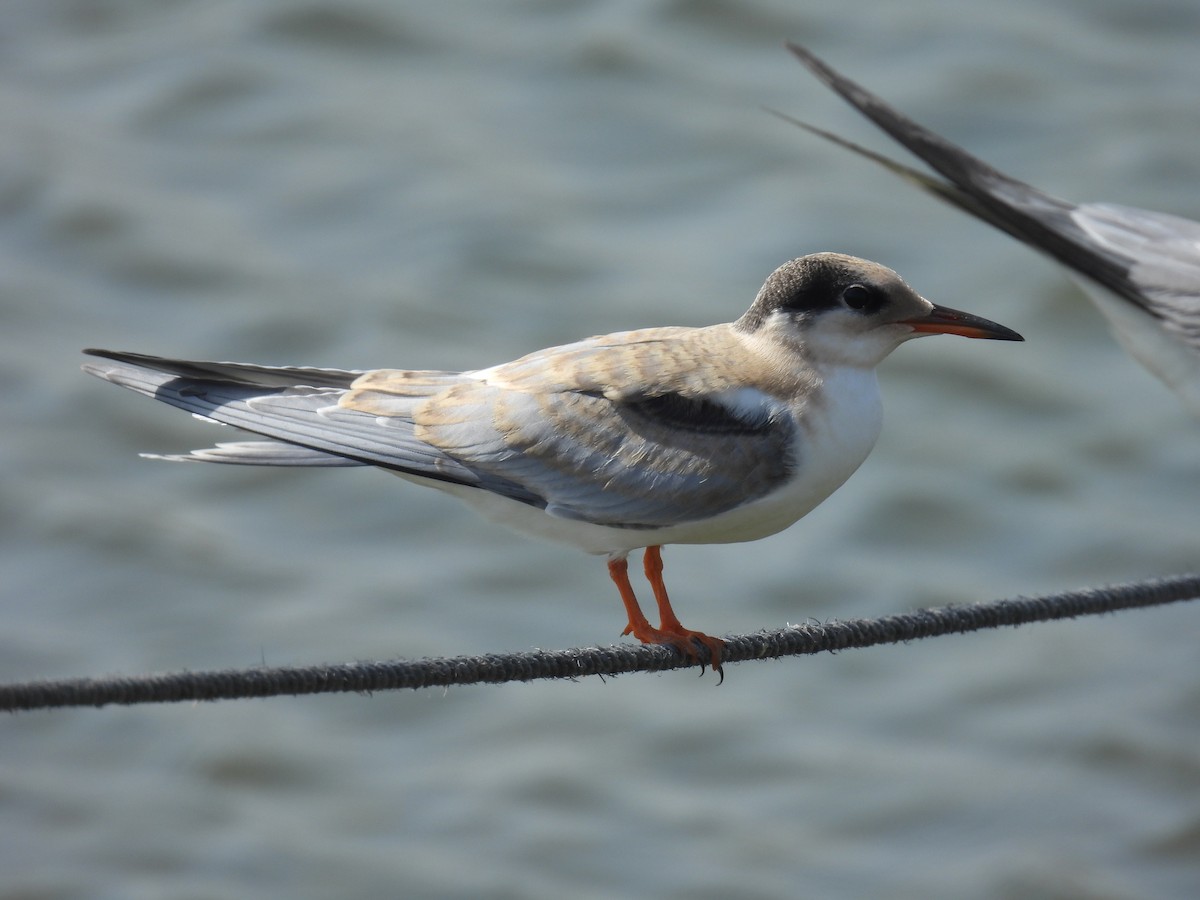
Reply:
x=626, y=430
x=656, y=458
x=640, y=462
x=1163, y=254
x=298, y=408
x=1116, y=247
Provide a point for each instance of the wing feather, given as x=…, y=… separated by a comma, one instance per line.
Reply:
x=1056, y=227
x=633, y=430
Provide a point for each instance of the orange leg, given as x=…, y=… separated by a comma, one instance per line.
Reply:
x=670, y=630
x=618, y=571
x=668, y=621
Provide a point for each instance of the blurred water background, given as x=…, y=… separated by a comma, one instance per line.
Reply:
x=362, y=184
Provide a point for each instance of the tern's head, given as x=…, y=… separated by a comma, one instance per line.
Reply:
x=843, y=310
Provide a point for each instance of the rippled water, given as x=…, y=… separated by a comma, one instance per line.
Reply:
x=376, y=184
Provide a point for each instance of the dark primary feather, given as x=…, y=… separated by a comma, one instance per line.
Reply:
x=1031, y=216
x=240, y=373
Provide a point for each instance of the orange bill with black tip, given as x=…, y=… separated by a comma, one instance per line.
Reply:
x=944, y=320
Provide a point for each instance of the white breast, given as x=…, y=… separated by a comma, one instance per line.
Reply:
x=836, y=427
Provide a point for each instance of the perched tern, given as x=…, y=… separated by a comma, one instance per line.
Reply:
x=1141, y=268
x=632, y=440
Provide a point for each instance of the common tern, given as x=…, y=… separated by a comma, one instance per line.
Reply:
x=632, y=440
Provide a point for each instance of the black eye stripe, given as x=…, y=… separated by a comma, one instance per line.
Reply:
x=826, y=283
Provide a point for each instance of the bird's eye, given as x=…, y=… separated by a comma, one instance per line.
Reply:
x=858, y=297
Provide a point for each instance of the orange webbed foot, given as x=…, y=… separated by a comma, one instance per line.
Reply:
x=696, y=646
x=693, y=645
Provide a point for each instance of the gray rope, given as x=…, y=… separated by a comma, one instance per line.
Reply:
x=367, y=677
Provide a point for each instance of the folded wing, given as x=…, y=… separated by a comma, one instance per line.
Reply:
x=677, y=451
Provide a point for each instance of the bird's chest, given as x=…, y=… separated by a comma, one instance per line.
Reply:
x=835, y=431
x=838, y=425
